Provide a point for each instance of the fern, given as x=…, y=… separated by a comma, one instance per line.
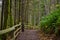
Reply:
x=50, y=22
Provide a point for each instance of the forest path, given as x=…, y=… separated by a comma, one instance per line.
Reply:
x=28, y=35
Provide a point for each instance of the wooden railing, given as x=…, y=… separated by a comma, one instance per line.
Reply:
x=15, y=29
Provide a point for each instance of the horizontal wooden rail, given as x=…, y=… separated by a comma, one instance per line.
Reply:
x=9, y=29
x=6, y=30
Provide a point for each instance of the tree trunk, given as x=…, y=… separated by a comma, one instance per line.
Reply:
x=22, y=15
x=15, y=14
x=2, y=13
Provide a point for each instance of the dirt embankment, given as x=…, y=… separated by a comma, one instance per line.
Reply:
x=43, y=36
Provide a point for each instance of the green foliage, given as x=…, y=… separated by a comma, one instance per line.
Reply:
x=0, y=39
x=57, y=28
x=50, y=23
x=58, y=22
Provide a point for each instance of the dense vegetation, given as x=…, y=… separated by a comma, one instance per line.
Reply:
x=51, y=22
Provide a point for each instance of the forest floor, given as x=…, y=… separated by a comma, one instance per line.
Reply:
x=35, y=35
x=44, y=36
x=28, y=35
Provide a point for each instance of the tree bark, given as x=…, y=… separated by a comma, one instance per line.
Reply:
x=22, y=15
x=2, y=13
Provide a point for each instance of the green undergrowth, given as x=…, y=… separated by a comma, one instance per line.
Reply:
x=51, y=23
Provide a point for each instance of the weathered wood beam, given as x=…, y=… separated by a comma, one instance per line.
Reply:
x=9, y=29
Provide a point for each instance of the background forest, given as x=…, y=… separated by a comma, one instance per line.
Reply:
x=35, y=9
x=43, y=15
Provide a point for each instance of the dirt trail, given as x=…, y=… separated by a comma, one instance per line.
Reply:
x=28, y=35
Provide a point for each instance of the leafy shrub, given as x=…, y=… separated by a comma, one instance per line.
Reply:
x=0, y=38
x=50, y=23
x=57, y=28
